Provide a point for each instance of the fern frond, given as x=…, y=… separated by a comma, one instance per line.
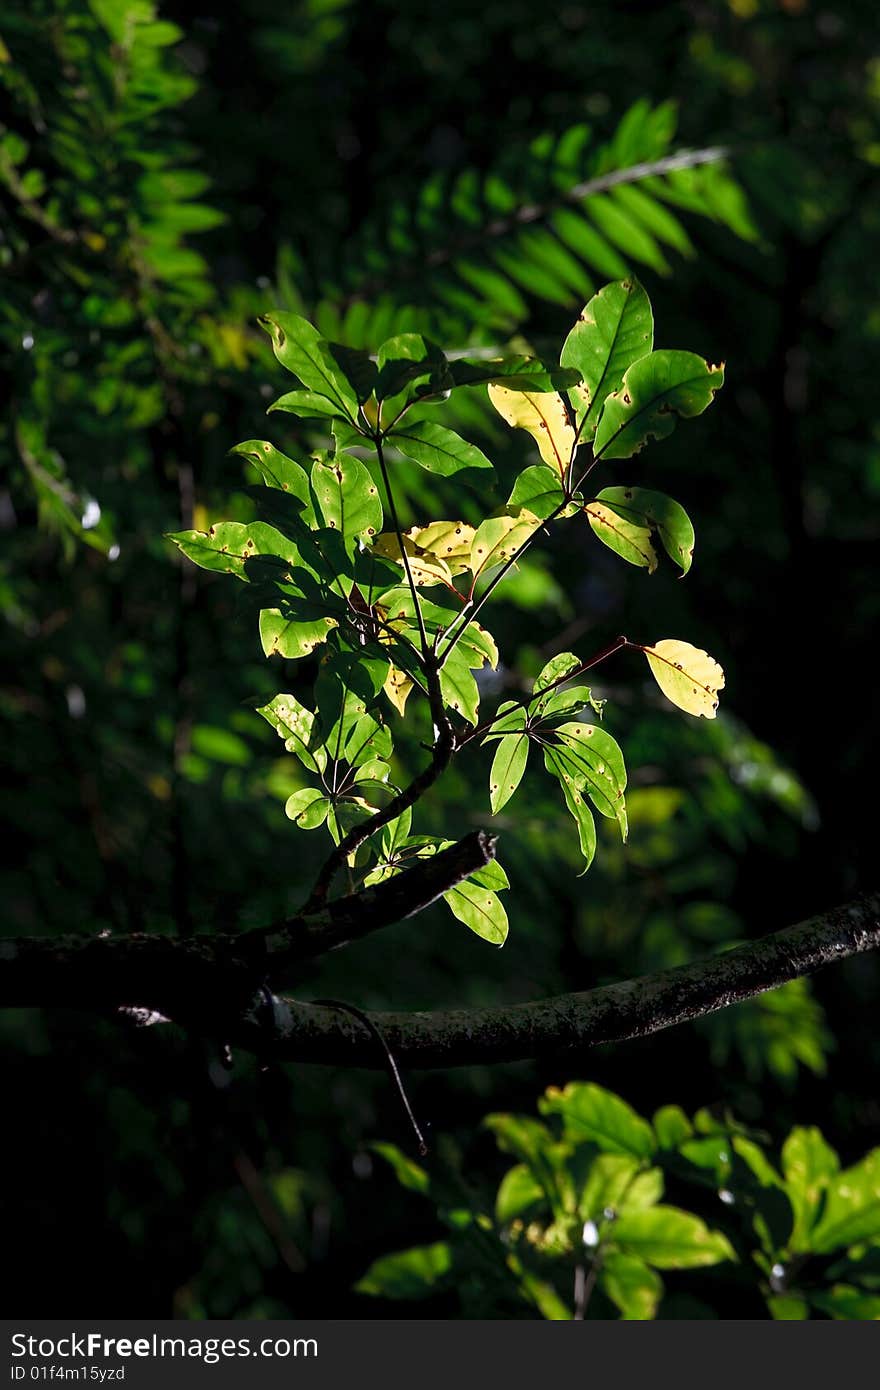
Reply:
x=472, y=253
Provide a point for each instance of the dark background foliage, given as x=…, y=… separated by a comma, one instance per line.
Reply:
x=159, y=189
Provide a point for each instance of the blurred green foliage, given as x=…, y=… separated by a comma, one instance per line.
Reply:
x=578, y=1227
x=163, y=179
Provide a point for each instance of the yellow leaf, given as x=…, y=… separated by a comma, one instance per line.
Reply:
x=449, y=541
x=397, y=687
x=425, y=567
x=689, y=677
x=544, y=415
x=499, y=537
x=626, y=538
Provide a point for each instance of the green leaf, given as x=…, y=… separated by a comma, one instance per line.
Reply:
x=408, y=1274
x=653, y=510
x=627, y=538
x=556, y=670
x=436, y=448
x=631, y=1285
x=594, y=761
x=808, y=1165
x=290, y=636
x=345, y=497
x=538, y=489
x=300, y=348
x=307, y=808
x=358, y=368
x=395, y=832
x=577, y=807
x=480, y=909
x=457, y=685
x=615, y=329
x=227, y=546
x=654, y=390
x=296, y=725
x=671, y=1126
x=519, y=1191
x=491, y=875
x=788, y=1307
x=278, y=471
x=409, y=1174
x=408, y=358
x=308, y=405
x=520, y=373
x=844, y=1302
x=852, y=1207
x=669, y=1238
x=508, y=767
x=499, y=538
x=608, y=1181
x=590, y=1112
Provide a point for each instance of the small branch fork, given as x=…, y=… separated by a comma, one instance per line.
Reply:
x=200, y=984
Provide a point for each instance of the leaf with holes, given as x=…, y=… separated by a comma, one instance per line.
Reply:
x=576, y=805
x=345, y=497
x=278, y=471
x=643, y=508
x=296, y=726
x=307, y=809
x=457, y=684
x=654, y=391
x=544, y=415
x=615, y=329
x=228, y=545
x=594, y=760
x=480, y=909
x=688, y=676
x=628, y=539
x=291, y=636
x=508, y=767
x=499, y=538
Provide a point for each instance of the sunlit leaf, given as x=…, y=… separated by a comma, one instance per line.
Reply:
x=278, y=471
x=228, y=546
x=576, y=805
x=660, y=514
x=689, y=677
x=307, y=808
x=655, y=389
x=296, y=726
x=292, y=637
x=480, y=909
x=436, y=448
x=808, y=1165
x=499, y=538
x=590, y=1112
x=345, y=497
x=539, y=490
x=545, y=416
x=408, y=1274
x=615, y=329
x=631, y=1285
x=670, y=1239
x=398, y=687
x=519, y=1191
x=508, y=767
x=300, y=348
x=457, y=684
x=628, y=539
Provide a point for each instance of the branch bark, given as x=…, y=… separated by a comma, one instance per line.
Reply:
x=213, y=985
x=569, y=1024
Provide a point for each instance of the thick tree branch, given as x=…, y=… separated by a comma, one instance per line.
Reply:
x=569, y=1024
x=213, y=986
